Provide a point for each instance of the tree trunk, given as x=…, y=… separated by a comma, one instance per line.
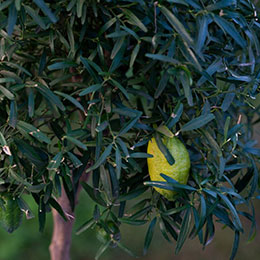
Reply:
x=62, y=230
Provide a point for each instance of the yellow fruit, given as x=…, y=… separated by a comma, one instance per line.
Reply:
x=158, y=164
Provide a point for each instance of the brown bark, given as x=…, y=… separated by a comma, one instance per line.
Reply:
x=61, y=237
x=62, y=230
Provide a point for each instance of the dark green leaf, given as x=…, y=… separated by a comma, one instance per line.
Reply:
x=45, y=9
x=62, y=65
x=235, y=245
x=102, y=158
x=198, y=122
x=54, y=164
x=133, y=19
x=175, y=116
x=184, y=231
x=149, y=235
x=134, y=222
x=48, y=94
x=37, y=19
x=85, y=226
x=164, y=150
x=230, y=29
x=33, y=131
x=76, y=142
x=12, y=17
x=13, y=114
x=7, y=93
x=126, y=249
x=90, y=89
x=132, y=194
x=177, y=25
x=57, y=206
x=102, y=249
x=94, y=195
x=162, y=84
x=233, y=211
x=76, y=162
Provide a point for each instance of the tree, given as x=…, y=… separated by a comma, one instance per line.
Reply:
x=86, y=84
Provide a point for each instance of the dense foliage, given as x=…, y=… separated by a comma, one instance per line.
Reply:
x=85, y=84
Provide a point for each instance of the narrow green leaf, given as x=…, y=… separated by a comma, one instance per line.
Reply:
x=213, y=143
x=133, y=19
x=230, y=29
x=198, y=122
x=90, y=89
x=33, y=131
x=132, y=194
x=12, y=17
x=114, y=181
x=54, y=164
x=117, y=47
x=229, y=97
x=102, y=158
x=221, y=4
x=37, y=19
x=122, y=89
x=76, y=142
x=162, y=58
x=162, y=84
x=149, y=235
x=174, y=210
x=86, y=63
x=203, y=22
x=62, y=65
x=123, y=146
x=76, y=162
x=176, y=184
x=58, y=208
x=164, y=149
x=102, y=249
x=5, y=4
x=235, y=245
x=184, y=231
x=226, y=127
x=13, y=114
x=134, y=222
x=49, y=95
x=163, y=230
x=85, y=226
x=126, y=249
x=72, y=100
x=177, y=25
x=129, y=125
x=94, y=194
x=233, y=211
x=46, y=10
x=175, y=116
x=101, y=127
x=134, y=55
x=141, y=155
x=31, y=103
x=7, y=93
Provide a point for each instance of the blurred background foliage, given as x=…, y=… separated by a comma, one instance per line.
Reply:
x=28, y=243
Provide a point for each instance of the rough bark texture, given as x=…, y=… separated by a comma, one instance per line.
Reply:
x=61, y=237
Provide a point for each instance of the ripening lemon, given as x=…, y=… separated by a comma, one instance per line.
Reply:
x=158, y=164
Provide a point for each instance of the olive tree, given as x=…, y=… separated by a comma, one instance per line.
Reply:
x=86, y=84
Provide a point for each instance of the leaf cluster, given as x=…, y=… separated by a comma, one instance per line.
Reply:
x=84, y=86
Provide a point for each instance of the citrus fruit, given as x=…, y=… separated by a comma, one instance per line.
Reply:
x=10, y=213
x=158, y=164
